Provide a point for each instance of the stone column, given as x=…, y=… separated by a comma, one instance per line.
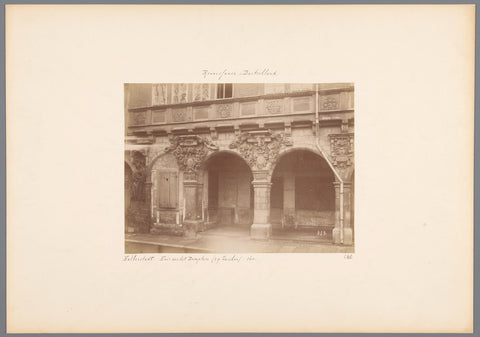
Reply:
x=347, y=229
x=192, y=193
x=261, y=228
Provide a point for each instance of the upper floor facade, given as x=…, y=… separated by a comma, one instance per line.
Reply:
x=190, y=107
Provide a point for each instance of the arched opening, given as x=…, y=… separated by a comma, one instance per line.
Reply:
x=302, y=196
x=229, y=192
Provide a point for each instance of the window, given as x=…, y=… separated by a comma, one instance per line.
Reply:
x=224, y=90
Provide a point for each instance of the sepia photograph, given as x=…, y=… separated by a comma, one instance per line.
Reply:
x=239, y=168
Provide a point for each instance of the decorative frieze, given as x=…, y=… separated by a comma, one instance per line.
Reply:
x=260, y=149
x=201, y=92
x=159, y=94
x=329, y=103
x=190, y=151
x=341, y=150
x=138, y=118
x=179, y=93
x=224, y=110
x=274, y=106
x=179, y=115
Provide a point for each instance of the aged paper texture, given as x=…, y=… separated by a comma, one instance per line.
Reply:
x=413, y=71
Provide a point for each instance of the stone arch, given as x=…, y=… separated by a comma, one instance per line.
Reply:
x=165, y=160
x=227, y=188
x=302, y=191
x=289, y=150
x=154, y=162
x=221, y=152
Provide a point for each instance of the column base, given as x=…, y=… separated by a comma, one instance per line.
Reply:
x=347, y=236
x=260, y=231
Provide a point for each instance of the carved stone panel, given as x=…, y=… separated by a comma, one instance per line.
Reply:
x=201, y=92
x=329, y=102
x=159, y=94
x=138, y=118
x=274, y=106
x=341, y=150
x=179, y=93
x=190, y=151
x=260, y=149
x=224, y=110
x=179, y=115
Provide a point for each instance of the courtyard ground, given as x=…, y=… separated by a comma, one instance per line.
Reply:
x=231, y=239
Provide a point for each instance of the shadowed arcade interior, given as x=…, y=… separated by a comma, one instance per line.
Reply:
x=302, y=195
x=230, y=192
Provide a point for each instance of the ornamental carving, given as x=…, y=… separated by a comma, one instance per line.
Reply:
x=274, y=106
x=179, y=115
x=341, y=150
x=260, y=149
x=137, y=188
x=224, y=110
x=179, y=93
x=201, y=92
x=159, y=94
x=329, y=103
x=138, y=118
x=190, y=151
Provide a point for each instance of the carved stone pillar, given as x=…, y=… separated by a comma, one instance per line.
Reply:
x=261, y=228
x=190, y=152
x=345, y=234
x=260, y=149
x=192, y=192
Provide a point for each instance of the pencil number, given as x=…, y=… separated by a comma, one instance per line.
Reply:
x=348, y=256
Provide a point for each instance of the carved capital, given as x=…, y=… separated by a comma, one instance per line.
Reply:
x=190, y=151
x=341, y=150
x=260, y=149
